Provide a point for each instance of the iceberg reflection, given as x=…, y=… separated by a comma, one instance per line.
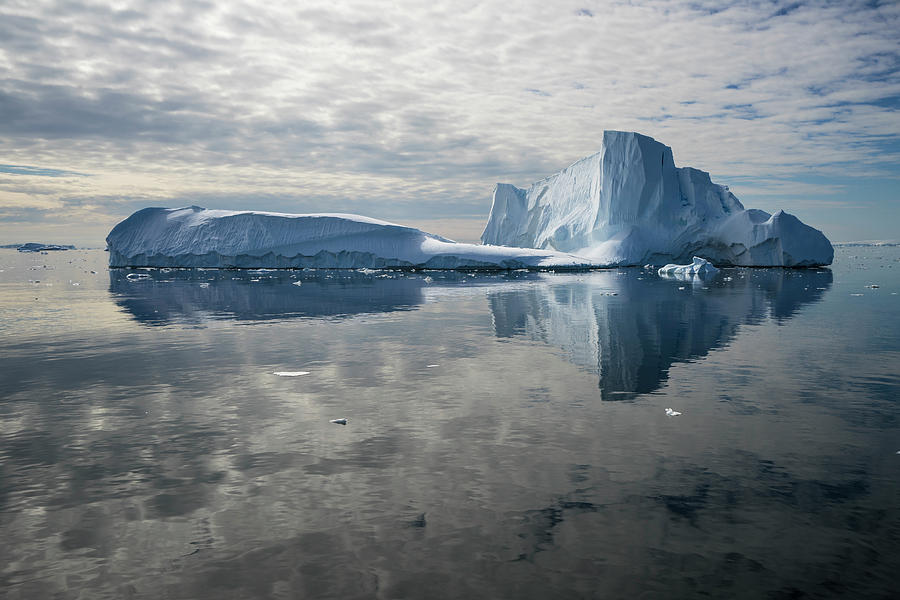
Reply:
x=166, y=296
x=630, y=326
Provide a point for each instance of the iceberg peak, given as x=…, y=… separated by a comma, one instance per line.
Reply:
x=628, y=204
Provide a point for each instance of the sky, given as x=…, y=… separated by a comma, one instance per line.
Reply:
x=411, y=111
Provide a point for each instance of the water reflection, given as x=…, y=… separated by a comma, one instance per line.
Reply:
x=630, y=326
x=192, y=296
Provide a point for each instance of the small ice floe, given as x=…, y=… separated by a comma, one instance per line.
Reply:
x=700, y=267
x=341, y=421
x=431, y=366
x=137, y=276
x=872, y=286
x=204, y=285
x=681, y=287
x=290, y=373
x=428, y=279
x=671, y=412
x=856, y=294
x=75, y=283
x=297, y=283
x=728, y=279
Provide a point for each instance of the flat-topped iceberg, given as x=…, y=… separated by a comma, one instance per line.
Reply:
x=197, y=237
x=699, y=267
x=629, y=204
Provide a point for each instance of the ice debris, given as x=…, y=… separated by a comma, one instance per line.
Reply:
x=671, y=412
x=341, y=421
x=291, y=373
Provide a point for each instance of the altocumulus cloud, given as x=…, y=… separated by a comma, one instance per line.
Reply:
x=406, y=112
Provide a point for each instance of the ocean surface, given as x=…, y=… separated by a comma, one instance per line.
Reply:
x=507, y=435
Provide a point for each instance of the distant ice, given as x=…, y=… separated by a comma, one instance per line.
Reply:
x=671, y=412
x=341, y=421
x=291, y=373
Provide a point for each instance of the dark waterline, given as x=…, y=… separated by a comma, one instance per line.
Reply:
x=507, y=434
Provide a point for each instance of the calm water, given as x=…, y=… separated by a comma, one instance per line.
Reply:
x=507, y=434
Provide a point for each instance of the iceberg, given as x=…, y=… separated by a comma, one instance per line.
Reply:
x=197, y=237
x=629, y=204
x=699, y=267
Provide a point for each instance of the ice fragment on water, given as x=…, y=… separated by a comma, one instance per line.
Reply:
x=297, y=283
x=204, y=285
x=671, y=412
x=341, y=421
x=431, y=366
x=290, y=373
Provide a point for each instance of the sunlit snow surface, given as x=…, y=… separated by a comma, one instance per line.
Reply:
x=198, y=237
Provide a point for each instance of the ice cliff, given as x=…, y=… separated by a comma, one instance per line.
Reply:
x=629, y=204
x=197, y=237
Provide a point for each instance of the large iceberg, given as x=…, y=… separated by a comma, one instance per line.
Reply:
x=629, y=204
x=197, y=237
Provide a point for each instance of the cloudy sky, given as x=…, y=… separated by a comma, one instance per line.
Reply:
x=412, y=110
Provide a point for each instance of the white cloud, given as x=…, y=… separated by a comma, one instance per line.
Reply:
x=404, y=110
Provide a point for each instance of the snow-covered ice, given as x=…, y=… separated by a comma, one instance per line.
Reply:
x=671, y=412
x=699, y=267
x=629, y=204
x=291, y=373
x=197, y=237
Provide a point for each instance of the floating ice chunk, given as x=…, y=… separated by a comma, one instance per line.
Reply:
x=431, y=366
x=700, y=267
x=204, y=285
x=137, y=276
x=671, y=412
x=290, y=373
x=872, y=286
x=856, y=294
x=297, y=283
x=341, y=421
